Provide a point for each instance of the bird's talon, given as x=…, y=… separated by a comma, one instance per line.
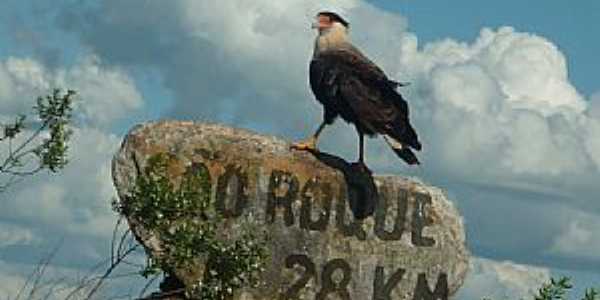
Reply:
x=304, y=146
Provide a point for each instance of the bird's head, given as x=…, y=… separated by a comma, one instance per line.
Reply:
x=326, y=20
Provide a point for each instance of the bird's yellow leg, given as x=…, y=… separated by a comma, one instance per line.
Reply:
x=309, y=144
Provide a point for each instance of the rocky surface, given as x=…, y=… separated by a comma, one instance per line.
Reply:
x=335, y=230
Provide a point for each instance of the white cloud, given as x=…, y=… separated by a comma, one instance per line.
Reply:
x=502, y=280
x=594, y=106
x=14, y=276
x=57, y=282
x=10, y=284
x=77, y=201
x=11, y=234
x=106, y=93
x=580, y=238
x=503, y=103
x=71, y=208
x=508, y=57
x=592, y=128
x=20, y=81
x=74, y=205
x=592, y=142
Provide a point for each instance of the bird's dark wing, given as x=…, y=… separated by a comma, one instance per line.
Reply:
x=349, y=77
x=350, y=61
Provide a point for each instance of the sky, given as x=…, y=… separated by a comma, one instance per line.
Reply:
x=504, y=96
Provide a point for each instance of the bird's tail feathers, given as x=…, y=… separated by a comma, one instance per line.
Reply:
x=405, y=134
x=411, y=137
x=401, y=151
x=402, y=130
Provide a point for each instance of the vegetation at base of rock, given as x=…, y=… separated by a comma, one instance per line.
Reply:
x=557, y=289
x=184, y=218
x=47, y=141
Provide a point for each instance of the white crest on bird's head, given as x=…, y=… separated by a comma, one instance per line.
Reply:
x=333, y=31
x=335, y=17
x=330, y=16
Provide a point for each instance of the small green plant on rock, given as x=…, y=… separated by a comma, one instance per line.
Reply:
x=184, y=219
x=557, y=289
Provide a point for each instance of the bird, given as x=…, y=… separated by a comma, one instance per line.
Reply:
x=349, y=85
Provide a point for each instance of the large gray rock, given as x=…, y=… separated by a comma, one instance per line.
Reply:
x=411, y=247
